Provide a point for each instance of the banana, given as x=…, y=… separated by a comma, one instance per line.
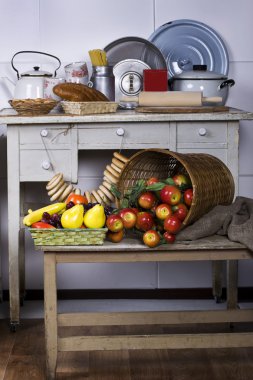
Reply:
x=36, y=216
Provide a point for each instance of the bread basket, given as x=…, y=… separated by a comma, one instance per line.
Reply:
x=33, y=107
x=212, y=181
x=88, y=108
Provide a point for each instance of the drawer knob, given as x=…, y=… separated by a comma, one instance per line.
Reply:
x=120, y=132
x=44, y=132
x=202, y=131
x=46, y=165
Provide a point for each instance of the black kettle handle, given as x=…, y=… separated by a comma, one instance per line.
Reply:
x=36, y=52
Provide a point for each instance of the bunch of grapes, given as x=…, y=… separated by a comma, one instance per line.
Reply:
x=69, y=205
x=54, y=220
x=108, y=210
x=89, y=206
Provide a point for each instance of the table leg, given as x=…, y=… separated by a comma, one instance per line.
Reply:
x=50, y=310
x=13, y=223
x=217, y=267
x=22, y=247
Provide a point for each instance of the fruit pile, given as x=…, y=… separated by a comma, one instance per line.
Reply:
x=153, y=209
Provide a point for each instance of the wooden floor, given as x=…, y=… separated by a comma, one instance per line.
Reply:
x=22, y=357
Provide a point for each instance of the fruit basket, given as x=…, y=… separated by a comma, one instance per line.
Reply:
x=78, y=236
x=212, y=182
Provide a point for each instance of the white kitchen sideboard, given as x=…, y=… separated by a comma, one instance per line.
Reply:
x=40, y=146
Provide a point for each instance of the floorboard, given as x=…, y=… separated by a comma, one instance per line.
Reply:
x=22, y=357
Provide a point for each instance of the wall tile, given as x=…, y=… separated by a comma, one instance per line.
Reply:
x=245, y=148
x=246, y=186
x=19, y=26
x=183, y=275
x=110, y=276
x=245, y=273
x=240, y=95
x=69, y=30
x=231, y=19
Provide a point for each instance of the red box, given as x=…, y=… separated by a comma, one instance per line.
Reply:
x=155, y=80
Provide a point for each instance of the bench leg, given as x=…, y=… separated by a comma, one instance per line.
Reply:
x=50, y=306
x=217, y=280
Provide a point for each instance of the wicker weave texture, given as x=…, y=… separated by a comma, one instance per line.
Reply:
x=68, y=236
x=212, y=181
x=88, y=108
x=33, y=107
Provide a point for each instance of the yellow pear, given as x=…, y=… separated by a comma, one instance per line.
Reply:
x=73, y=217
x=95, y=217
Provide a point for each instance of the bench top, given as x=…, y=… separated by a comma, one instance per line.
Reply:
x=132, y=250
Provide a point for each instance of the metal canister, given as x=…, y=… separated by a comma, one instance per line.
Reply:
x=103, y=80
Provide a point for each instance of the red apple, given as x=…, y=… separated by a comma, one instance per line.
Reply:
x=170, y=194
x=163, y=210
x=115, y=237
x=135, y=210
x=172, y=224
x=128, y=216
x=169, y=237
x=181, y=179
x=145, y=221
x=151, y=238
x=152, y=180
x=114, y=223
x=180, y=211
x=147, y=200
x=188, y=195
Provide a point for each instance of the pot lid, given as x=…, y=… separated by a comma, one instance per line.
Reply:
x=187, y=42
x=199, y=72
x=36, y=72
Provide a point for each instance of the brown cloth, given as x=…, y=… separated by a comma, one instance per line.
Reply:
x=235, y=221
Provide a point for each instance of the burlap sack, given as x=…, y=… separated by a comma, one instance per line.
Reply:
x=235, y=221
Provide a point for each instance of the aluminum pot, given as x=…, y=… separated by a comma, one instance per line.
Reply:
x=200, y=79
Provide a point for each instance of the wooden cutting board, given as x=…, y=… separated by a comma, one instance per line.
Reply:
x=201, y=109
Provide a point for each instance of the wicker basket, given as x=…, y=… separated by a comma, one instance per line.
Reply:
x=88, y=108
x=78, y=236
x=212, y=181
x=33, y=107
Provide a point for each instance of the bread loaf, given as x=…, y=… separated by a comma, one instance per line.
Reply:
x=77, y=92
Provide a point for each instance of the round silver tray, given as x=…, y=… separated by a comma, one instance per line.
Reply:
x=135, y=48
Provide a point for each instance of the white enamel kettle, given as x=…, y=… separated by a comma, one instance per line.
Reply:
x=30, y=85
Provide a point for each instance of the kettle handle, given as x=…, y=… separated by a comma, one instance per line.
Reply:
x=36, y=52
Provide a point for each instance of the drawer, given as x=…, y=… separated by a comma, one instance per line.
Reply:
x=32, y=162
x=219, y=153
x=45, y=135
x=125, y=136
x=199, y=132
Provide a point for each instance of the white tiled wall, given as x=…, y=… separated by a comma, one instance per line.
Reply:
x=68, y=30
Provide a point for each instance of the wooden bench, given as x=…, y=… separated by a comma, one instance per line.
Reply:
x=215, y=249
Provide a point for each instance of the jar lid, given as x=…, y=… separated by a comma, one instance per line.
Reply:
x=199, y=72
